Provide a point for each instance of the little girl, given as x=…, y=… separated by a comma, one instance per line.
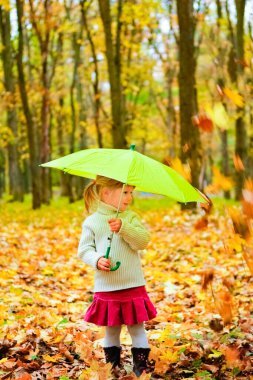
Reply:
x=120, y=296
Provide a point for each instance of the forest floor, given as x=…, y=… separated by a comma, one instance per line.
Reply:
x=196, y=277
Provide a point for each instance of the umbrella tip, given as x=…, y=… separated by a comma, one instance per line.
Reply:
x=132, y=147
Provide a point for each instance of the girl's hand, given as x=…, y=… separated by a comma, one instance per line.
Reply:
x=115, y=224
x=104, y=264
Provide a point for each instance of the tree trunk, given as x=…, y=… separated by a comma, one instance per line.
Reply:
x=241, y=143
x=45, y=126
x=171, y=114
x=44, y=39
x=33, y=149
x=221, y=84
x=2, y=179
x=15, y=174
x=114, y=69
x=95, y=82
x=190, y=139
x=225, y=158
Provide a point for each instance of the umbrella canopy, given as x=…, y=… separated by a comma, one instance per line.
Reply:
x=129, y=167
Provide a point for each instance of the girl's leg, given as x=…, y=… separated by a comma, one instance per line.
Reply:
x=112, y=347
x=112, y=336
x=140, y=349
x=138, y=335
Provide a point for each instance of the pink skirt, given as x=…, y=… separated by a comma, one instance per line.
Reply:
x=120, y=307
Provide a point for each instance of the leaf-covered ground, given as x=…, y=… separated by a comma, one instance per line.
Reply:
x=196, y=276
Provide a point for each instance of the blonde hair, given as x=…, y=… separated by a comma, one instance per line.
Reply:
x=92, y=192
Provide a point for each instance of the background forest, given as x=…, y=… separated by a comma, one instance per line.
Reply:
x=173, y=77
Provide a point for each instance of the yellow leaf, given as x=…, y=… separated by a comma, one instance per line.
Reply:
x=181, y=168
x=52, y=359
x=220, y=182
x=47, y=271
x=234, y=96
x=219, y=115
x=170, y=356
x=17, y=291
x=5, y=4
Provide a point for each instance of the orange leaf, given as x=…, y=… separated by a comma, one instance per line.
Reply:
x=238, y=163
x=202, y=223
x=63, y=350
x=248, y=257
x=25, y=376
x=224, y=305
x=240, y=223
x=207, y=278
x=247, y=202
x=232, y=355
x=203, y=121
x=9, y=365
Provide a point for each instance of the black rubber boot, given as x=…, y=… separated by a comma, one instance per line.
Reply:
x=112, y=355
x=140, y=360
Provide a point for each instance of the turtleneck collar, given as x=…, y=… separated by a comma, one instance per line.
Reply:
x=104, y=208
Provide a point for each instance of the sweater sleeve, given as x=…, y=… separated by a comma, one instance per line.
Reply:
x=134, y=233
x=87, y=247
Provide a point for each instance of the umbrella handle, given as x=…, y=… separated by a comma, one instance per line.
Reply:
x=107, y=256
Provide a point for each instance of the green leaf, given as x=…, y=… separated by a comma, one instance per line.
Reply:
x=197, y=363
x=236, y=371
x=236, y=333
x=205, y=374
x=197, y=336
x=173, y=336
x=62, y=323
x=215, y=354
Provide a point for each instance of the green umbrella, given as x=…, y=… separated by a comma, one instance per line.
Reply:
x=131, y=168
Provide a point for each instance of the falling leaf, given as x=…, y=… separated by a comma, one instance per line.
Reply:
x=183, y=169
x=242, y=62
x=247, y=201
x=219, y=182
x=229, y=282
x=234, y=96
x=207, y=278
x=219, y=116
x=248, y=257
x=223, y=300
x=240, y=223
x=239, y=166
x=203, y=121
x=202, y=223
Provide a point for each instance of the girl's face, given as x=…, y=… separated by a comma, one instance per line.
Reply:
x=112, y=197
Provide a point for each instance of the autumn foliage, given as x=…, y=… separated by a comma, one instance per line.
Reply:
x=196, y=276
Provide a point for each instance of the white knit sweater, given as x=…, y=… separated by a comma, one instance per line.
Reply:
x=93, y=244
